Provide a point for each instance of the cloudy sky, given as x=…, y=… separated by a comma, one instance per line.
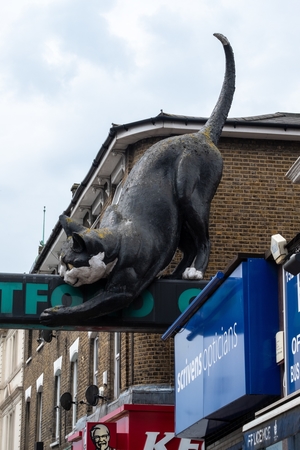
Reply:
x=70, y=68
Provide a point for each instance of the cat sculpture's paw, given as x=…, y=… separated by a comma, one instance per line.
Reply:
x=191, y=273
x=59, y=315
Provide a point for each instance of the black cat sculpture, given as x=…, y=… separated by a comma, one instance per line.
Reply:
x=164, y=205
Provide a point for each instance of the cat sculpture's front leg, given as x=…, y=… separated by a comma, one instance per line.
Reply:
x=104, y=303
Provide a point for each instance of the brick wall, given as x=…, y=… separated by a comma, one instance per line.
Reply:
x=254, y=200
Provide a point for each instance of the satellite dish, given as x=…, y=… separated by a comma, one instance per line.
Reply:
x=66, y=401
x=92, y=395
x=47, y=335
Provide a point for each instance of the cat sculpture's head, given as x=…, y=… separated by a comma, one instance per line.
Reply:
x=82, y=258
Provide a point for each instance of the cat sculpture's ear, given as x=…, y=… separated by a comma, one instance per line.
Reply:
x=70, y=226
x=84, y=239
x=78, y=243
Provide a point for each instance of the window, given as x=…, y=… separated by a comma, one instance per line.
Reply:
x=117, y=194
x=8, y=431
x=29, y=345
x=74, y=378
x=11, y=352
x=74, y=372
x=27, y=424
x=14, y=351
x=117, y=363
x=39, y=407
x=27, y=418
x=57, y=385
x=95, y=360
x=57, y=406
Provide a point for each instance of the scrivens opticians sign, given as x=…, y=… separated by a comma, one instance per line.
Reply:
x=218, y=347
x=225, y=353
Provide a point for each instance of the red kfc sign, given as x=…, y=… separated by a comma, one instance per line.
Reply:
x=135, y=427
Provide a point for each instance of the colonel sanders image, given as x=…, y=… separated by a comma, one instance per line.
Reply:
x=100, y=436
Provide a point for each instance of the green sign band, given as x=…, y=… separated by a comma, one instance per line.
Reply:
x=24, y=297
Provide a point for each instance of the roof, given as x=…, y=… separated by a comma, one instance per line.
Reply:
x=283, y=118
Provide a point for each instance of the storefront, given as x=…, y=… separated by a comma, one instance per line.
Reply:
x=135, y=427
x=278, y=426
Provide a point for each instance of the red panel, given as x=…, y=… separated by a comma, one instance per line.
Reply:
x=148, y=427
x=140, y=427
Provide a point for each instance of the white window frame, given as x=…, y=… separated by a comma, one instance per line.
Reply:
x=117, y=363
x=74, y=391
x=57, y=385
x=74, y=368
x=39, y=407
x=95, y=360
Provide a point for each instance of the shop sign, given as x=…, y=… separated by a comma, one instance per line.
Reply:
x=292, y=332
x=138, y=427
x=272, y=431
x=262, y=437
x=225, y=355
x=23, y=297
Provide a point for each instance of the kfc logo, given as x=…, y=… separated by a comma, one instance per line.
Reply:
x=101, y=436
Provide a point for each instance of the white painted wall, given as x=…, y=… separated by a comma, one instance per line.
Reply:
x=11, y=388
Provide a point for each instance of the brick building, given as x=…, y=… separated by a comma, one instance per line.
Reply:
x=253, y=202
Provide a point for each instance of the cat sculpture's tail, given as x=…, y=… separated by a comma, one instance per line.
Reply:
x=215, y=123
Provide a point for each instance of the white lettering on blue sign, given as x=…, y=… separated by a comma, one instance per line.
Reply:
x=288, y=276
x=221, y=345
x=295, y=372
x=295, y=368
x=258, y=437
x=262, y=437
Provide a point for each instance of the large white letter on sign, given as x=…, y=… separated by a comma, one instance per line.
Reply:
x=151, y=444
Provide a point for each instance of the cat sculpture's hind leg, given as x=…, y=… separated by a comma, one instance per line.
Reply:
x=196, y=194
x=188, y=249
x=202, y=245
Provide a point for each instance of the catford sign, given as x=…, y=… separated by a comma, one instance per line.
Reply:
x=24, y=297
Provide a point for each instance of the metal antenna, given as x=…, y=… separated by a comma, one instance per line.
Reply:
x=44, y=218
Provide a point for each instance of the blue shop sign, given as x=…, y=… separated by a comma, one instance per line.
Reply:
x=225, y=355
x=292, y=331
